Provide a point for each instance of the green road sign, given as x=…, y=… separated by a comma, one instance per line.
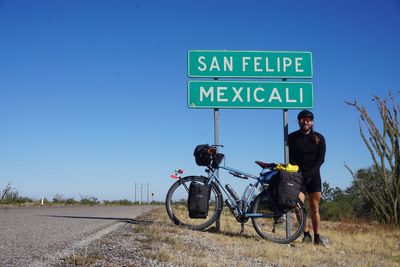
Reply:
x=250, y=64
x=250, y=94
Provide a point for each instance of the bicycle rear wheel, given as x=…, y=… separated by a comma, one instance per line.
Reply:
x=176, y=203
x=281, y=228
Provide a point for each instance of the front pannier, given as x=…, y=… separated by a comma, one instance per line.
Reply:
x=202, y=155
x=198, y=201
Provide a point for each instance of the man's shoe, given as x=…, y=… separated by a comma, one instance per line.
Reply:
x=307, y=239
x=321, y=241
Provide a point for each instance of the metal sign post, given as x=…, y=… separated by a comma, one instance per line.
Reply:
x=286, y=157
x=286, y=135
x=216, y=142
x=216, y=131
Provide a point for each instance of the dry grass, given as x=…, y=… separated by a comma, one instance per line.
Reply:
x=356, y=244
x=76, y=259
x=158, y=242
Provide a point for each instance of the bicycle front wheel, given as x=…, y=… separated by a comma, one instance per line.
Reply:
x=176, y=203
x=281, y=228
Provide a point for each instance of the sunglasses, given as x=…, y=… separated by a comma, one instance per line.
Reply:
x=303, y=120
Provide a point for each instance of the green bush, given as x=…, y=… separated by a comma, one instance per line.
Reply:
x=13, y=197
x=58, y=199
x=70, y=201
x=337, y=204
x=339, y=210
x=89, y=201
x=122, y=202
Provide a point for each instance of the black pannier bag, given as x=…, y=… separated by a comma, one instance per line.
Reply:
x=286, y=188
x=198, y=201
x=202, y=156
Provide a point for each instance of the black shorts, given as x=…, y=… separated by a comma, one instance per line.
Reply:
x=312, y=185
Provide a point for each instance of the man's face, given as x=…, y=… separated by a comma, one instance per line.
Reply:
x=306, y=124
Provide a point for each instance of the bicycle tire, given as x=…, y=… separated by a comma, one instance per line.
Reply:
x=274, y=227
x=176, y=203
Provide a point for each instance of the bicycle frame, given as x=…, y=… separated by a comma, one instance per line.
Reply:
x=245, y=206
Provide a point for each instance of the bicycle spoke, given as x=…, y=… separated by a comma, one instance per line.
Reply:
x=282, y=228
x=177, y=204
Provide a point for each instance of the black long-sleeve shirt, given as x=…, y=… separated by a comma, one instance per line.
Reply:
x=304, y=152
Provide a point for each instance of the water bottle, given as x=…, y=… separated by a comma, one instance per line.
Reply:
x=232, y=207
x=232, y=192
x=248, y=192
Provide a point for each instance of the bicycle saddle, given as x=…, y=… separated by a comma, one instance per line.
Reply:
x=265, y=165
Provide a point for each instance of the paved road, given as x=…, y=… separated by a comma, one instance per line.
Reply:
x=31, y=236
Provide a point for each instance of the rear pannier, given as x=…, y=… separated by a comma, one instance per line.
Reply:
x=286, y=188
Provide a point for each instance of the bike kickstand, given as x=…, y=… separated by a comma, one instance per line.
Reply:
x=241, y=228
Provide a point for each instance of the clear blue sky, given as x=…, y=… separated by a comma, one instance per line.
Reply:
x=93, y=93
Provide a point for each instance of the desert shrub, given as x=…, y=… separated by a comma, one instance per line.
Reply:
x=379, y=185
x=70, y=201
x=89, y=200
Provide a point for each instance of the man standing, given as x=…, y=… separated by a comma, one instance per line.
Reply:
x=307, y=150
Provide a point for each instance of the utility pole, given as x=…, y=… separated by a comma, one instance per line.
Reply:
x=148, y=193
x=141, y=200
x=141, y=193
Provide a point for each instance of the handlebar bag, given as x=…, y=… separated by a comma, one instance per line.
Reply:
x=198, y=201
x=217, y=158
x=202, y=156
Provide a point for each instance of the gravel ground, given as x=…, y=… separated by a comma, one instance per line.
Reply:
x=146, y=243
x=122, y=247
x=152, y=240
x=35, y=236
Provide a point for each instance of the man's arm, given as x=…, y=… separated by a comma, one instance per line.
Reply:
x=320, y=157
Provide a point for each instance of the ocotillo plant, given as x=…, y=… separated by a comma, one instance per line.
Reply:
x=381, y=187
x=4, y=192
